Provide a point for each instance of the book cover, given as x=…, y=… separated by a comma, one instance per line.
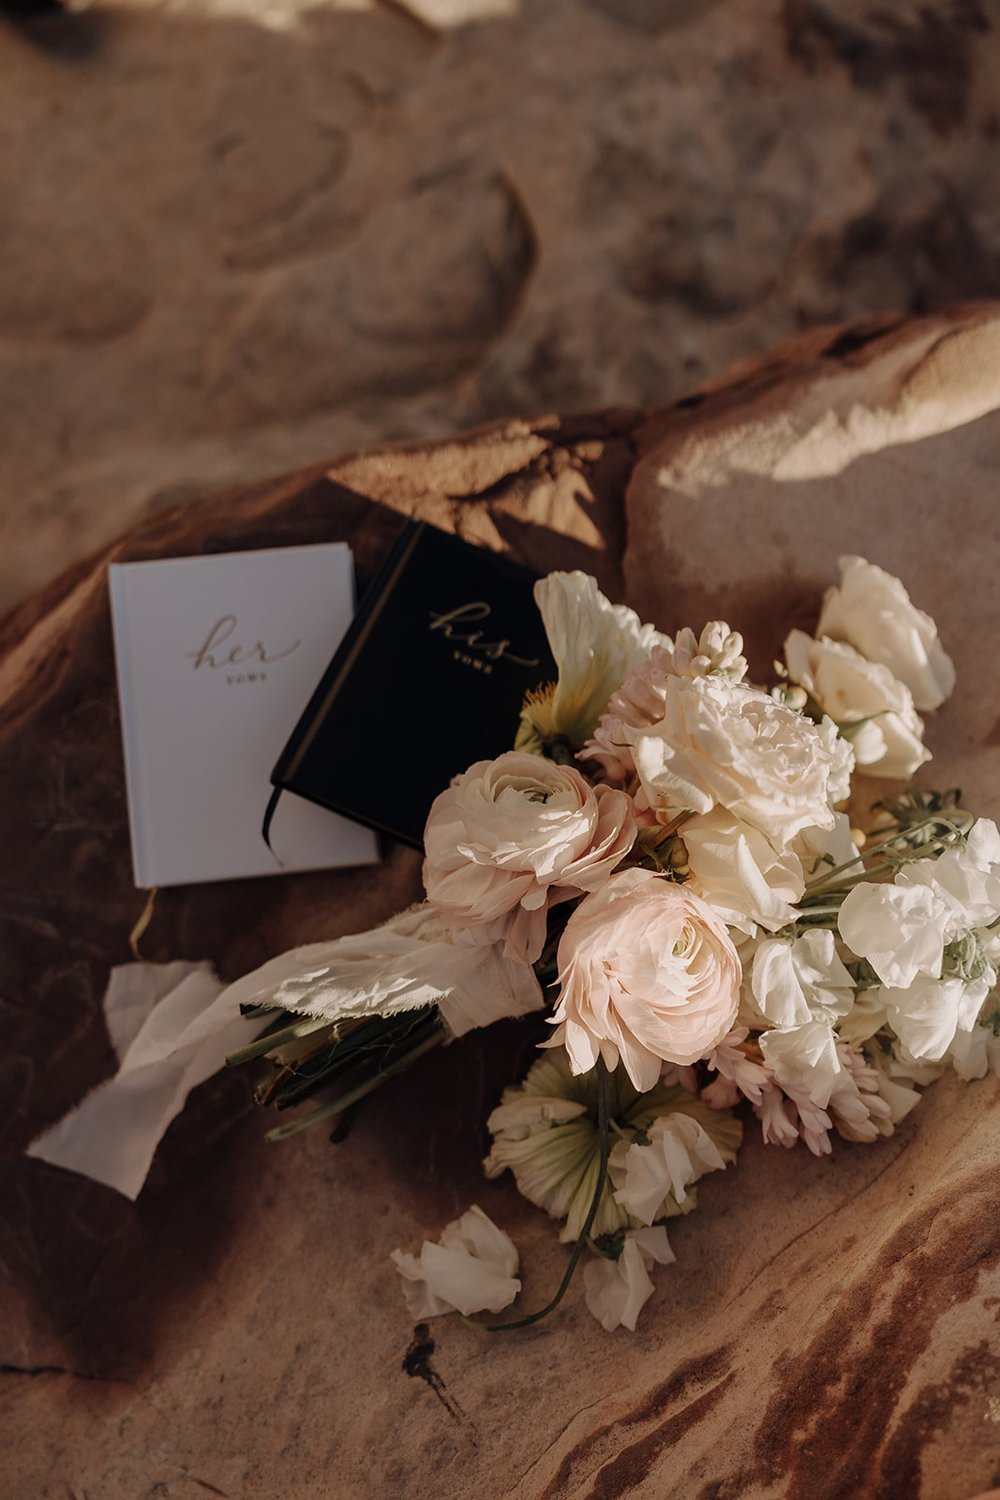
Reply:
x=216, y=657
x=429, y=679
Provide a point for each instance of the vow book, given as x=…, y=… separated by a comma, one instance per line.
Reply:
x=430, y=678
x=216, y=658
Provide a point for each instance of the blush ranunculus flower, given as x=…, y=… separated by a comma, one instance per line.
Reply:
x=649, y=975
x=512, y=837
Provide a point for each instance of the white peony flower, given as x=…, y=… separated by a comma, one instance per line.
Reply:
x=872, y=611
x=872, y=708
x=472, y=1269
x=740, y=873
x=678, y=1152
x=899, y=929
x=617, y=1290
x=596, y=644
x=804, y=1059
x=801, y=981
x=513, y=836
x=722, y=744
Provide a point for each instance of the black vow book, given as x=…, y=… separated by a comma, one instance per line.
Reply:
x=429, y=678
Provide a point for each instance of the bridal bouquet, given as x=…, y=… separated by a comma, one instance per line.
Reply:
x=662, y=867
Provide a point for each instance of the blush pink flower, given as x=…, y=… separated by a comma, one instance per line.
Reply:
x=512, y=837
x=649, y=976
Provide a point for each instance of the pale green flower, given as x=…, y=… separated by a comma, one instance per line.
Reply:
x=545, y=1131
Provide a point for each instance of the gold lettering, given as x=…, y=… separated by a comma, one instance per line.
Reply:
x=210, y=653
x=452, y=625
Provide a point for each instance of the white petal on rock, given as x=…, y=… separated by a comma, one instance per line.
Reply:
x=617, y=1290
x=471, y=1270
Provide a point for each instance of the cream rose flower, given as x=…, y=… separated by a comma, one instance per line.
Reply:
x=742, y=875
x=872, y=708
x=871, y=610
x=649, y=975
x=722, y=744
x=513, y=836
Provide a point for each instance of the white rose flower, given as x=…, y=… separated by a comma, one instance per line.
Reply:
x=472, y=1269
x=872, y=708
x=899, y=929
x=513, y=836
x=872, y=612
x=617, y=1290
x=679, y=1151
x=804, y=1059
x=596, y=644
x=720, y=743
x=794, y=983
x=740, y=873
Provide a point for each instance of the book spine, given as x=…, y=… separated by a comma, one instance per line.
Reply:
x=376, y=597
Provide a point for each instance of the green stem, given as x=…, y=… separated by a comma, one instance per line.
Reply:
x=602, y=1175
x=344, y=1101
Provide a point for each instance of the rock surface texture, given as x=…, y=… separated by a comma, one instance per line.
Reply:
x=237, y=232
x=830, y=1327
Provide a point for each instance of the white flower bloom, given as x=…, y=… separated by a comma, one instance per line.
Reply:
x=928, y=1013
x=804, y=1058
x=965, y=878
x=740, y=873
x=872, y=611
x=679, y=1151
x=472, y=1269
x=722, y=744
x=617, y=1290
x=794, y=983
x=976, y=1052
x=596, y=644
x=870, y=706
x=899, y=929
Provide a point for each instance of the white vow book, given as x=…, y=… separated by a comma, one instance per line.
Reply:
x=217, y=657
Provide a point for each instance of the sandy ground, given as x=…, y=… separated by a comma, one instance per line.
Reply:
x=238, y=237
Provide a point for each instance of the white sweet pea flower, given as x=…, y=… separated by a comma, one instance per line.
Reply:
x=965, y=878
x=617, y=1290
x=899, y=929
x=976, y=1052
x=871, y=707
x=678, y=1152
x=927, y=1015
x=804, y=1059
x=472, y=1269
x=872, y=611
x=596, y=644
x=740, y=873
x=801, y=981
